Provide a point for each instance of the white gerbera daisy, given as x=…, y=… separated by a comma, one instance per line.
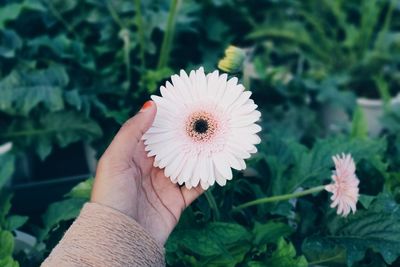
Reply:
x=205, y=125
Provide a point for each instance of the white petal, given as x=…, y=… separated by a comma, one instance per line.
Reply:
x=222, y=165
x=219, y=178
x=188, y=169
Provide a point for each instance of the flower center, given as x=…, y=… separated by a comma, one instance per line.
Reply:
x=201, y=126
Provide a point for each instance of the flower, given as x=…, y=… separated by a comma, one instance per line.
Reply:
x=233, y=59
x=204, y=126
x=345, y=186
x=4, y=148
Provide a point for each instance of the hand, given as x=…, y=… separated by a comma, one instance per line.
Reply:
x=127, y=181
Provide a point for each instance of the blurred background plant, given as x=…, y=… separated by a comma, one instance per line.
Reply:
x=71, y=72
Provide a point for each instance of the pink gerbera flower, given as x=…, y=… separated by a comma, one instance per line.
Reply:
x=345, y=186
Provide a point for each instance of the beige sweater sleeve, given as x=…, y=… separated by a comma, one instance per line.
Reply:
x=104, y=237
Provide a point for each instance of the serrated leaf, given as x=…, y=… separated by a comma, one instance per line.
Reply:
x=63, y=47
x=68, y=127
x=326, y=254
x=283, y=256
x=214, y=239
x=62, y=128
x=377, y=228
x=21, y=91
x=60, y=211
x=292, y=165
x=316, y=166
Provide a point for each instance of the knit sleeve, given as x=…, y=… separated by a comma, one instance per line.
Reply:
x=102, y=236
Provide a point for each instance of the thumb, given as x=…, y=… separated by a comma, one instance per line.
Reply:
x=131, y=132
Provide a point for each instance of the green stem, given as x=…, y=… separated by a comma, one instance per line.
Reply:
x=279, y=198
x=114, y=14
x=139, y=24
x=125, y=35
x=168, y=35
x=213, y=205
x=58, y=16
x=386, y=25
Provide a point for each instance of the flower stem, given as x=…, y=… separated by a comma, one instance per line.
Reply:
x=139, y=25
x=168, y=35
x=125, y=35
x=279, y=198
x=58, y=16
x=114, y=14
x=213, y=205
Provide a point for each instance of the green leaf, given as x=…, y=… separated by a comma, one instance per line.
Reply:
x=5, y=206
x=359, y=127
x=270, y=232
x=62, y=128
x=291, y=165
x=10, y=42
x=13, y=10
x=6, y=244
x=366, y=200
x=214, y=239
x=283, y=256
x=14, y=222
x=8, y=262
x=313, y=168
x=73, y=98
x=57, y=212
x=82, y=190
x=63, y=47
x=7, y=163
x=69, y=127
x=236, y=255
x=9, y=12
x=21, y=91
x=377, y=228
x=328, y=254
x=151, y=79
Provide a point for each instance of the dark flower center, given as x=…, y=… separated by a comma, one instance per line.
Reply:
x=200, y=126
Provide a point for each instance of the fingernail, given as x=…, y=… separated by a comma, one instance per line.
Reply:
x=146, y=105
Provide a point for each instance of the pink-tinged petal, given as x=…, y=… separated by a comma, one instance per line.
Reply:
x=204, y=127
x=345, y=185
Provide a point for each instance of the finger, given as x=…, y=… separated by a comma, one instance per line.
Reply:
x=189, y=195
x=132, y=131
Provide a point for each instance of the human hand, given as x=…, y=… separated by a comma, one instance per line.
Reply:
x=127, y=181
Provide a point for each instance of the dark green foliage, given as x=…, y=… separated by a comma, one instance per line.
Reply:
x=75, y=70
x=376, y=228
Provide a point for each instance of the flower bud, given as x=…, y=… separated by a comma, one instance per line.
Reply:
x=233, y=59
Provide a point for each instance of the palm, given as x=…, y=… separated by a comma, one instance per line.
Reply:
x=160, y=202
x=127, y=181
